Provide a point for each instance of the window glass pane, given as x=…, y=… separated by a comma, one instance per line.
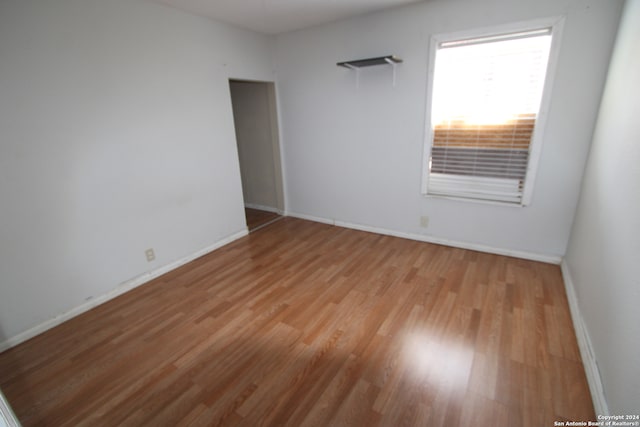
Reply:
x=486, y=97
x=490, y=83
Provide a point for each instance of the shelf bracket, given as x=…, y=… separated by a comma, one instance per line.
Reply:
x=393, y=65
x=357, y=70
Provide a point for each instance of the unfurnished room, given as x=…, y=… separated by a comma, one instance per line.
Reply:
x=320, y=213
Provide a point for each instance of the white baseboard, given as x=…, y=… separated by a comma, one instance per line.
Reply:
x=7, y=417
x=311, y=218
x=119, y=290
x=264, y=208
x=549, y=259
x=586, y=349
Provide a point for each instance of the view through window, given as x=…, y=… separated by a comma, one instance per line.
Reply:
x=486, y=98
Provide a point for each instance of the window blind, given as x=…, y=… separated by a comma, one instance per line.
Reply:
x=486, y=97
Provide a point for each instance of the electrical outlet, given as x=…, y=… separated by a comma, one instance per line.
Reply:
x=151, y=255
x=424, y=221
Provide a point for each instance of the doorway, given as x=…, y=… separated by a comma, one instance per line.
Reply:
x=256, y=124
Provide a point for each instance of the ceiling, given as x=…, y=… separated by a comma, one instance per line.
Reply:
x=279, y=16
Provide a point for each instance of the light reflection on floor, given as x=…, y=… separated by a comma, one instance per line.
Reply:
x=437, y=363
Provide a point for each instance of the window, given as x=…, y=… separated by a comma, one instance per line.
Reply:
x=485, y=126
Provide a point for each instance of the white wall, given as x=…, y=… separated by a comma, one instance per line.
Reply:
x=603, y=257
x=354, y=155
x=116, y=135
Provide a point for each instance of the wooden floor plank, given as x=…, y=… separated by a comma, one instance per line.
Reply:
x=309, y=324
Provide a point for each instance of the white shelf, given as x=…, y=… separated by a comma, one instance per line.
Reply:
x=357, y=64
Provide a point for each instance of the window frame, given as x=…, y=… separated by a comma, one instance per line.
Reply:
x=556, y=25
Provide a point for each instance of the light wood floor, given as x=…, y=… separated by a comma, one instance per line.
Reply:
x=308, y=324
x=257, y=218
